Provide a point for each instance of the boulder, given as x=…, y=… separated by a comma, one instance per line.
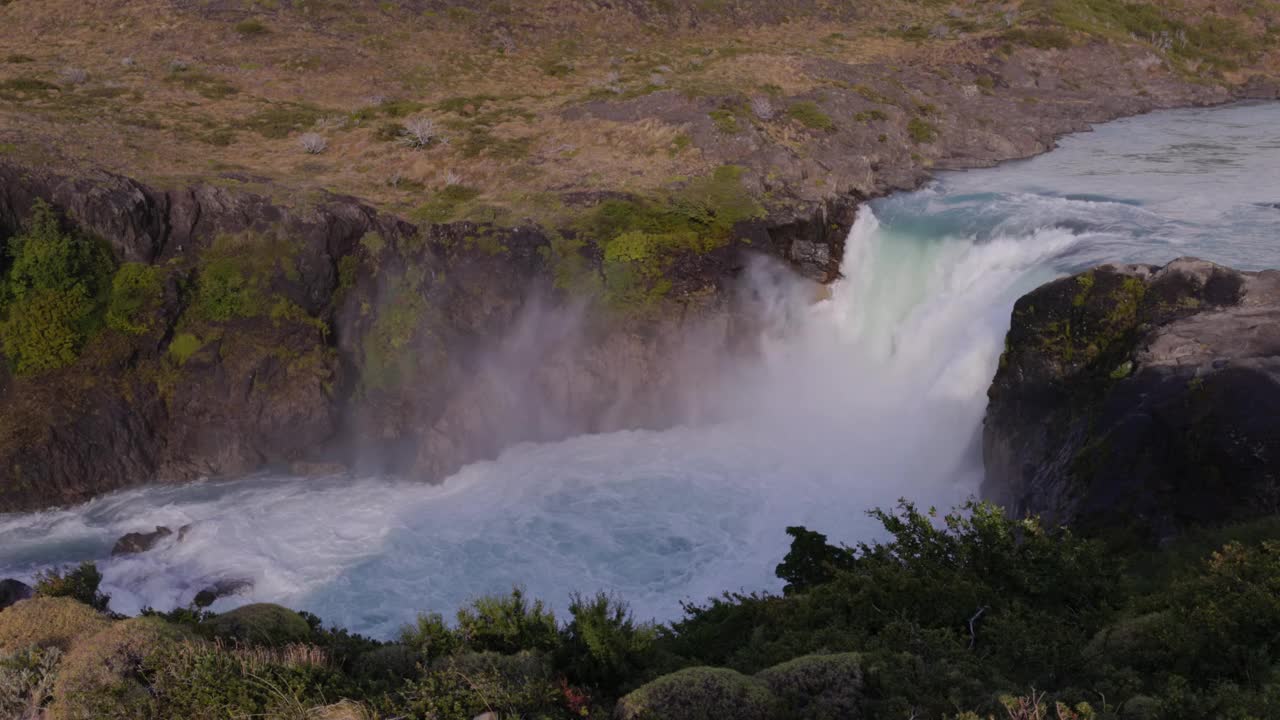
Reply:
x=11, y=591
x=134, y=543
x=1140, y=397
x=220, y=589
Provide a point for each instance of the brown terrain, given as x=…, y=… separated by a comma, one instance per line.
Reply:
x=349, y=209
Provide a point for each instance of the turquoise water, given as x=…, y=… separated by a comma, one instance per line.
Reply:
x=875, y=394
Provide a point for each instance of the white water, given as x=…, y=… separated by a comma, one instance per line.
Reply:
x=874, y=394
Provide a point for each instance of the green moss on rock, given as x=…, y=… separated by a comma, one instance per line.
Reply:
x=699, y=693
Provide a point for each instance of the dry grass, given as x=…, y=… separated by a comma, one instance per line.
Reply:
x=172, y=84
x=47, y=622
x=145, y=118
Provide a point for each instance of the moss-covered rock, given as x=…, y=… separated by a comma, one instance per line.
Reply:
x=47, y=622
x=101, y=677
x=1138, y=396
x=260, y=624
x=700, y=693
x=817, y=687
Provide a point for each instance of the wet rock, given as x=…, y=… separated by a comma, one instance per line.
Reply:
x=220, y=589
x=317, y=469
x=11, y=591
x=1140, y=396
x=134, y=543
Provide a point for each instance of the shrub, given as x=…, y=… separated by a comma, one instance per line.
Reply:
x=603, y=647
x=725, y=121
x=225, y=292
x=507, y=624
x=252, y=27
x=818, y=687
x=467, y=685
x=698, y=693
x=26, y=682
x=183, y=346
x=762, y=107
x=206, y=680
x=260, y=624
x=313, y=143
x=102, y=677
x=921, y=131
x=53, y=295
x=421, y=132
x=46, y=622
x=430, y=637
x=811, y=116
x=80, y=584
x=136, y=291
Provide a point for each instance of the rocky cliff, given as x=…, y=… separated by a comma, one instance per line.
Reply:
x=329, y=335
x=1140, y=396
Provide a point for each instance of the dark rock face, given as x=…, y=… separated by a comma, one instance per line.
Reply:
x=134, y=543
x=11, y=591
x=220, y=589
x=1142, y=397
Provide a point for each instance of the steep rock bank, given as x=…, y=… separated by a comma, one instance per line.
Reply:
x=329, y=332
x=1140, y=396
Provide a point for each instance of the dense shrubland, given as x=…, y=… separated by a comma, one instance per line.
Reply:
x=971, y=615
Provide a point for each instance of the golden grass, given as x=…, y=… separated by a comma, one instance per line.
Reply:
x=47, y=622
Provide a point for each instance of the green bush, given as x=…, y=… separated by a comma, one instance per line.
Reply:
x=507, y=624
x=603, y=647
x=430, y=637
x=80, y=584
x=201, y=680
x=466, y=685
x=136, y=291
x=226, y=291
x=52, y=298
x=811, y=116
x=260, y=624
x=699, y=693
x=818, y=687
x=921, y=131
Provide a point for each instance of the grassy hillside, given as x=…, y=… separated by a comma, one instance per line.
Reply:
x=528, y=103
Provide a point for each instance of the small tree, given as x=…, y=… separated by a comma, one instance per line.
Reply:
x=80, y=584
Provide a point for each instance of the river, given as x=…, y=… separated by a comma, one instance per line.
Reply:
x=873, y=394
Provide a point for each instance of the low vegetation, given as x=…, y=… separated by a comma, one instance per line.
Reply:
x=968, y=616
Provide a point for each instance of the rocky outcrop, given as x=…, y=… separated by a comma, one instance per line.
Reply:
x=1140, y=396
x=11, y=591
x=134, y=543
